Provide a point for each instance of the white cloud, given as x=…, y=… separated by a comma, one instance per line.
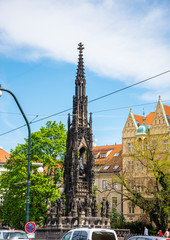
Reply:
x=128, y=41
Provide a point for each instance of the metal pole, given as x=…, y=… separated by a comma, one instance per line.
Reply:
x=29, y=153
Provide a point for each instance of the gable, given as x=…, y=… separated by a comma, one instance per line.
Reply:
x=130, y=127
x=160, y=122
x=82, y=144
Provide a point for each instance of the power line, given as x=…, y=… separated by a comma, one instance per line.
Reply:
x=106, y=95
x=130, y=106
x=12, y=130
x=132, y=85
x=34, y=115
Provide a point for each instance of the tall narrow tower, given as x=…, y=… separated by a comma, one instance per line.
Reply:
x=78, y=172
x=78, y=206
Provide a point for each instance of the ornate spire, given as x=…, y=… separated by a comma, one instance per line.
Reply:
x=80, y=67
x=80, y=98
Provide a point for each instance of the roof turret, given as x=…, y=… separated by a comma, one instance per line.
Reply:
x=143, y=129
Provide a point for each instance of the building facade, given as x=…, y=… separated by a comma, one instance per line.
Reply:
x=139, y=129
x=108, y=164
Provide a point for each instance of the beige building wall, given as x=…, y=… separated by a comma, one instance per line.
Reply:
x=108, y=190
x=159, y=128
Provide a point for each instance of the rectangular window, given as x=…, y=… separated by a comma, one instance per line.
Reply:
x=138, y=188
x=131, y=208
x=130, y=166
x=104, y=184
x=114, y=202
x=115, y=185
x=145, y=145
x=130, y=147
x=166, y=144
x=154, y=143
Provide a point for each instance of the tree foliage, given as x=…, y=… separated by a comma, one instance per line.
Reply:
x=48, y=146
x=152, y=193
x=117, y=219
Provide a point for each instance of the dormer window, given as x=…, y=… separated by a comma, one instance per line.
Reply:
x=96, y=155
x=115, y=167
x=106, y=167
x=116, y=154
x=103, y=155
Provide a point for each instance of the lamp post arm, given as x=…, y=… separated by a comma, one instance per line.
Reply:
x=29, y=152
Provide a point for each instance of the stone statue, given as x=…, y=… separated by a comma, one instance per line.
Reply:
x=79, y=207
x=62, y=206
x=74, y=207
x=81, y=166
x=107, y=208
x=94, y=207
x=87, y=206
x=103, y=208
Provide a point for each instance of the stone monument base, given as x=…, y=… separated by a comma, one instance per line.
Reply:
x=58, y=226
x=67, y=223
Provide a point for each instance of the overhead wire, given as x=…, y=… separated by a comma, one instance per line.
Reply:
x=130, y=106
x=106, y=95
x=132, y=85
x=96, y=99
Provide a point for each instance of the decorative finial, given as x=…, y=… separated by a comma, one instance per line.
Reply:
x=80, y=48
x=159, y=98
x=80, y=67
x=130, y=109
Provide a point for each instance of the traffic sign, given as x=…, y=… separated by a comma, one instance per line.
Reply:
x=30, y=227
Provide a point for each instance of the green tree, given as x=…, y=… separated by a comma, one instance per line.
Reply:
x=152, y=195
x=48, y=146
x=117, y=219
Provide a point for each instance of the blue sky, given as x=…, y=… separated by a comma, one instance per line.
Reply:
x=125, y=42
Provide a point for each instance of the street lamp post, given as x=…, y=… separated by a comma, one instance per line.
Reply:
x=29, y=152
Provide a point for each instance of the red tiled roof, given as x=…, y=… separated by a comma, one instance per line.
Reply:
x=114, y=161
x=138, y=118
x=104, y=152
x=167, y=110
x=148, y=120
x=95, y=152
x=3, y=156
x=103, y=148
x=102, y=161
